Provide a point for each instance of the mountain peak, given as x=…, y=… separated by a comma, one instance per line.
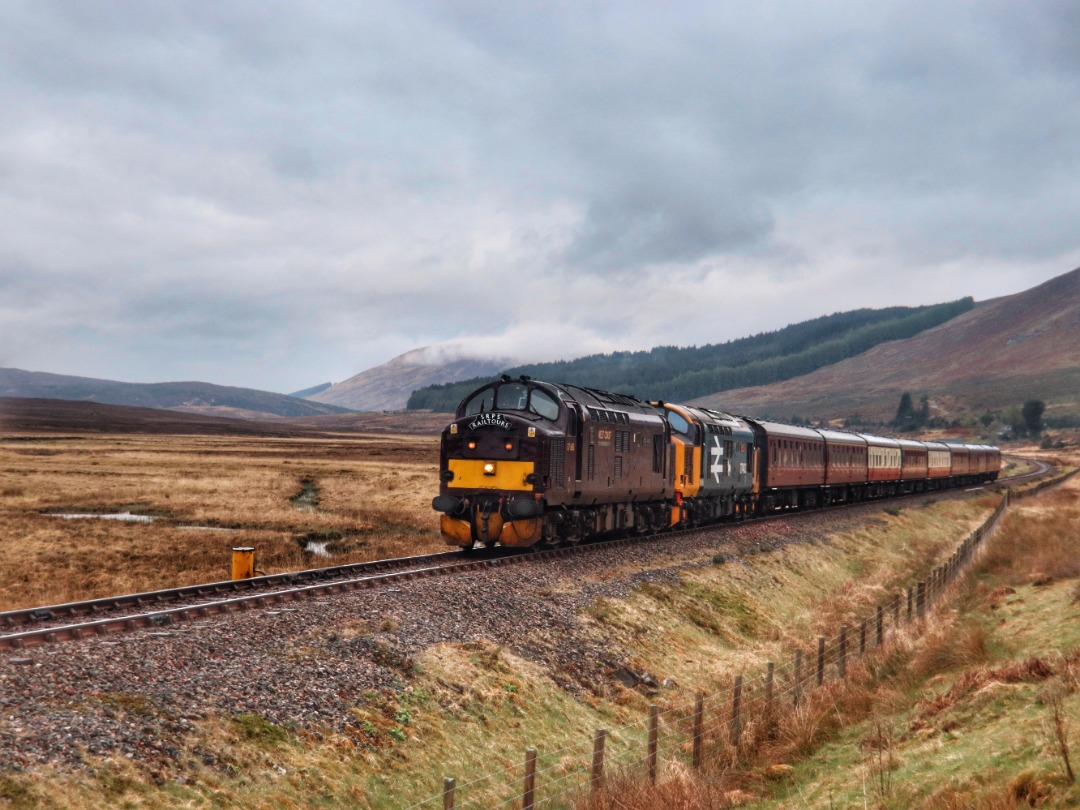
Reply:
x=387, y=387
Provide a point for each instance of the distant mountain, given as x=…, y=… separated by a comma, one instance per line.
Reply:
x=34, y=415
x=307, y=392
x=678, y=374
x=993, y=358
x=193, y=397
x=387, y=387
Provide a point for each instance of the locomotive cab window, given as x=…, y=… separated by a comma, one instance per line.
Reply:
x=678, y=423
x=542, y=404
x=483, y=402
x=512, y=397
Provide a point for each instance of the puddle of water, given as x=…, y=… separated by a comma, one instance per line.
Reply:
x=125, y=516
x=318, y=549
x=307, y=500
x=130, y=518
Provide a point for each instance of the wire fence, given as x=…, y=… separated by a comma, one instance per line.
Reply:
x=729, y=722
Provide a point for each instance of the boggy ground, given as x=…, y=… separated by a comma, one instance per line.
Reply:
x=367, y=496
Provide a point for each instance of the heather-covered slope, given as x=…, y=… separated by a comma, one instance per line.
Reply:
x=996, y=356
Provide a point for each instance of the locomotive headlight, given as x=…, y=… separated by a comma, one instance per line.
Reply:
x=509, y=446
x=472, y=445
x=489, y=468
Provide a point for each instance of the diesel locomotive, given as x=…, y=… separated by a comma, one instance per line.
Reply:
x=527, y=462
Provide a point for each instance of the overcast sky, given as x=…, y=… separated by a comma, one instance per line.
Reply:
x=279, y=194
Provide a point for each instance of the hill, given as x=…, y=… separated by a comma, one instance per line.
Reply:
x=34, y=415
x=388, y=387
x=680, y=374
x=994, y=357
x=196, y=397
x=27, y=415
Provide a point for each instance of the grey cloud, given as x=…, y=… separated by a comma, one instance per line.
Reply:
x=375, y=176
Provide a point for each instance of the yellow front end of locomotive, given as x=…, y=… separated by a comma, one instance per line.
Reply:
x=475, y=473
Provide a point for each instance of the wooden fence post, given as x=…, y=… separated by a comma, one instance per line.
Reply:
x=599, y=738
x=528, y=798
x=909, y=604
x=797, y=691
x=654, y=717
x=448, y=786
x=920, y=599
x=841, y=662
x=820, y=660
x=862, y=638
x=896, y=613
x=736, y=708
x=769, y=674
x=880, y=625
x=699, y=725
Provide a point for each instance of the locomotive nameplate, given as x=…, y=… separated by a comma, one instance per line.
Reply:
x=491, y=420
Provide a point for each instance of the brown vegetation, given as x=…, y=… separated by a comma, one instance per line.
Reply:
x=206, y=494
x=1036, y=547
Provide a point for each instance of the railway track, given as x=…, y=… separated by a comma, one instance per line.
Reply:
x=155, y=610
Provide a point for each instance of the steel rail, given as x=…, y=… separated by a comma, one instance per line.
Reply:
x=14, y=618
x=172, y=616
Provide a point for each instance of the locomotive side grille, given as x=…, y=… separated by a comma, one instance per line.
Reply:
x=556, y=469
x=622, y=441
x=671, y=466
x=618, y=466
x=592, y=461
x=688, y=462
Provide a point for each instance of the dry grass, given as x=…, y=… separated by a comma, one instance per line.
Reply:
x=1038, y=542
x=951, y=679
x=677, y=788
x=373, y=500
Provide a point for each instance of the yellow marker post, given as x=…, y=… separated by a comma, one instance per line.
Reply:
x=243, y=562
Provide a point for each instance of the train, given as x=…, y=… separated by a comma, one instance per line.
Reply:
x=527, y=462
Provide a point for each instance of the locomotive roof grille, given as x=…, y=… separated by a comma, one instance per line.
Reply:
x=602, y=415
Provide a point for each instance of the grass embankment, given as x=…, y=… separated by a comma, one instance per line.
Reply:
x=371, y=497
x=470, y=709
x=981, y=710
